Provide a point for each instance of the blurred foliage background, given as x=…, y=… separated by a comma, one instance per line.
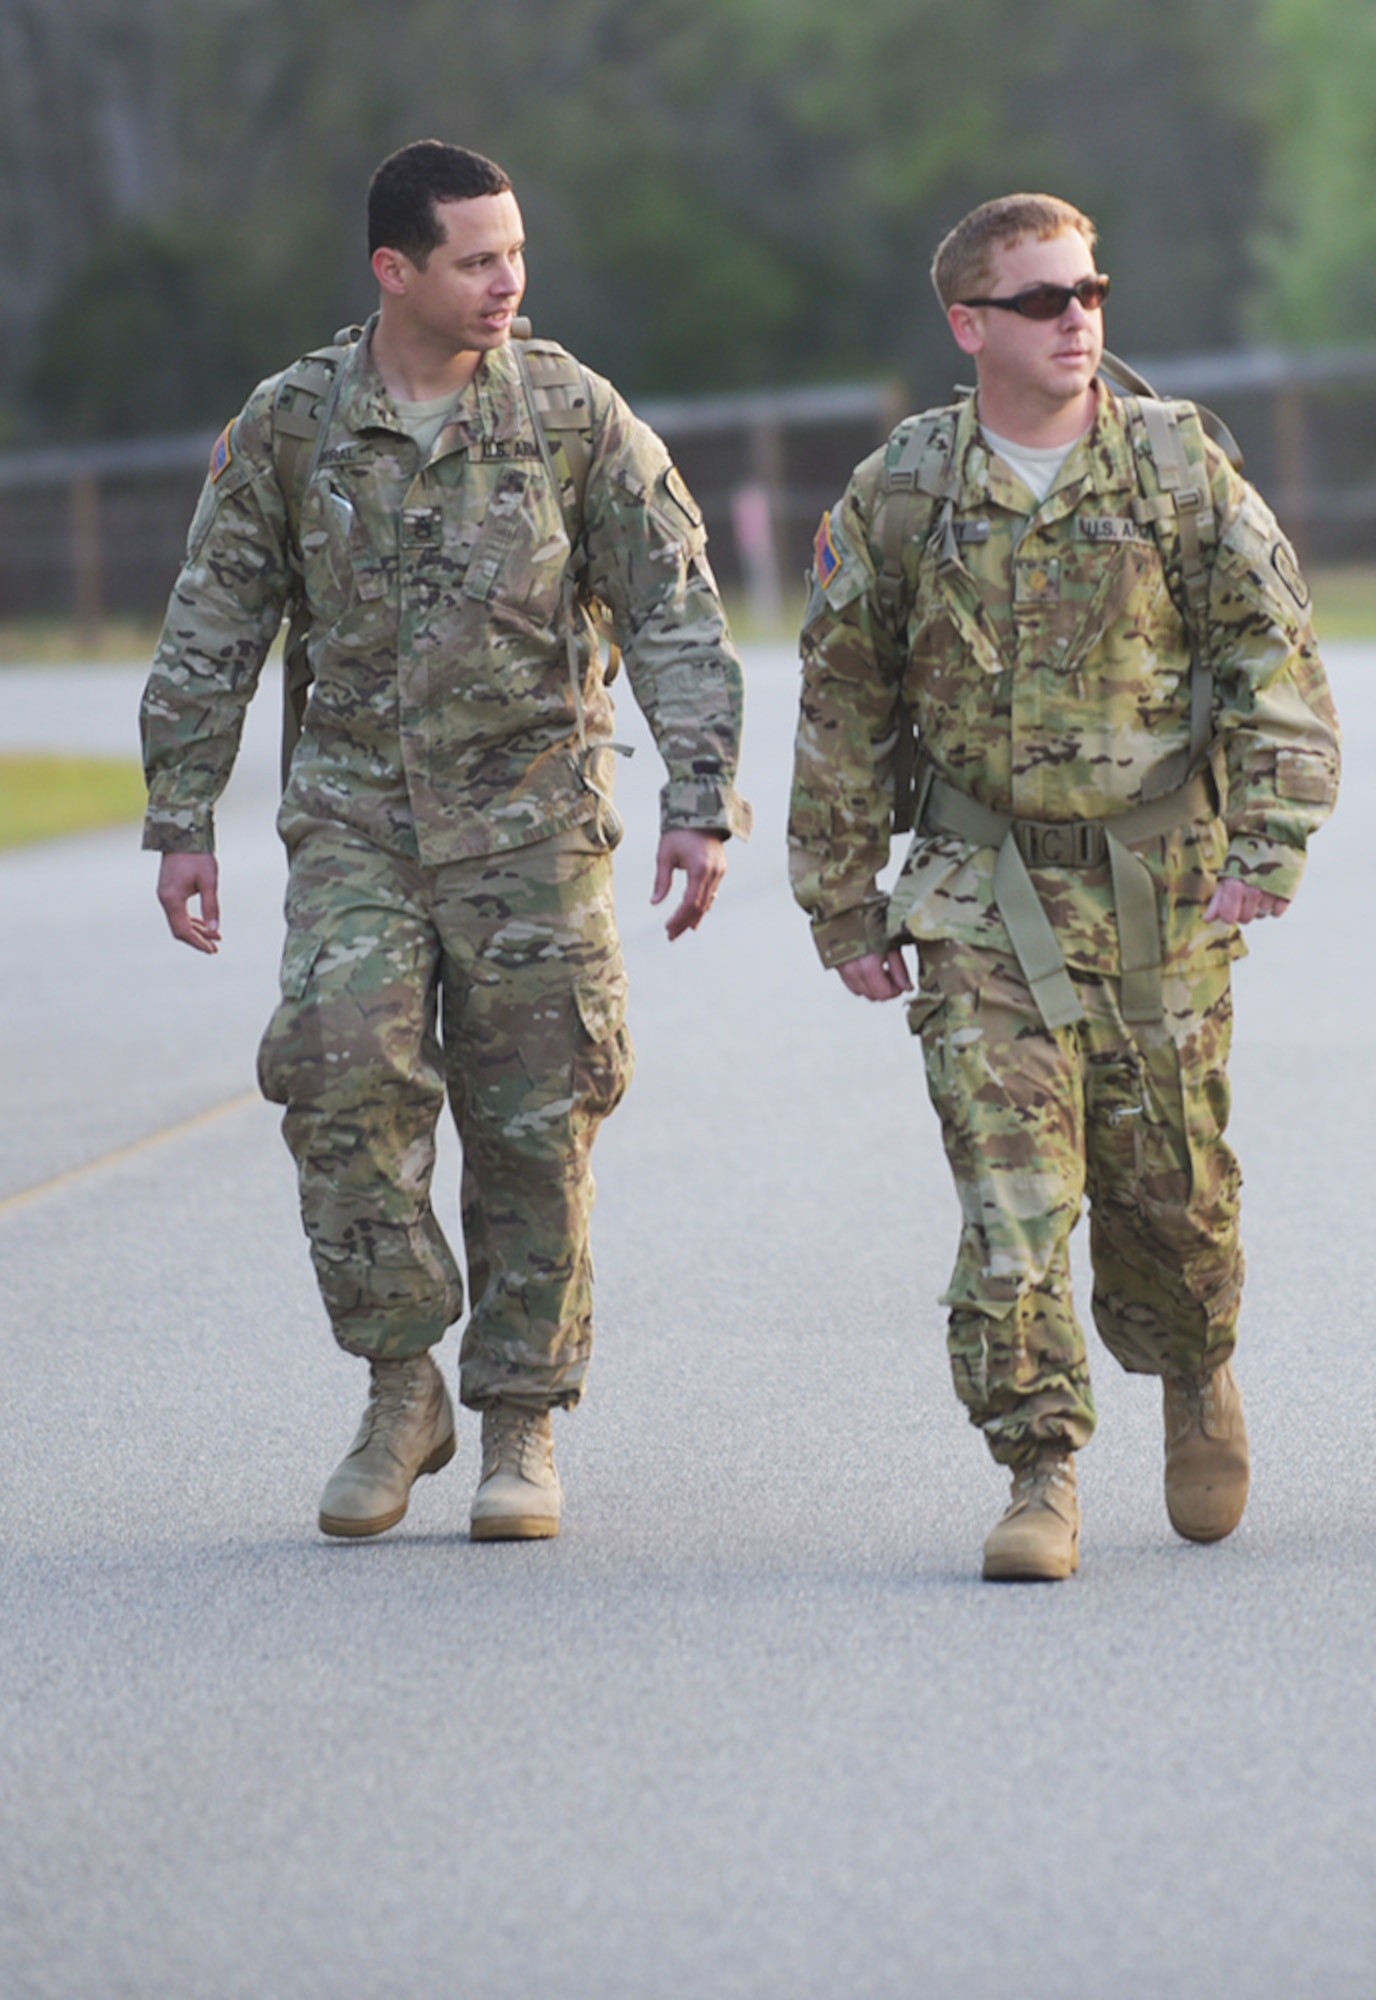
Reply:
x=718, y=193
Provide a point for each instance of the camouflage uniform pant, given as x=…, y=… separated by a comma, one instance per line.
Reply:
x=500, y=983
x=1033, y=1121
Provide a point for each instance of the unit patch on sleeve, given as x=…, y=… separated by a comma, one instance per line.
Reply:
x=1288, y=570
x=828, y=561
x=221, y=456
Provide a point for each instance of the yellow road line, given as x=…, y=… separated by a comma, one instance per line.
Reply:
x=121, y=1153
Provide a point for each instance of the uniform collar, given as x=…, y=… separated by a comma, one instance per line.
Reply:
x=492, y=409
x=1099, y=462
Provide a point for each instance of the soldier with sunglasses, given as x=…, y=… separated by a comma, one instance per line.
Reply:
x=1093, y=636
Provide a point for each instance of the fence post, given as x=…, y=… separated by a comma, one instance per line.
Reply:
x=88, y=559
x=1292, y=489
x=758, y=511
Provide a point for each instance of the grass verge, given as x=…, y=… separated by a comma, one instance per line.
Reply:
x=43, y=797
x=41, y=642
x=1345, y=602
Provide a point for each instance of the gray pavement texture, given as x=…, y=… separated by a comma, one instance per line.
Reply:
x=753, y=1727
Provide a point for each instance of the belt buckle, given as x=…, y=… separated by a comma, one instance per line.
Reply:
x=1055, y=846
x=1052, y=844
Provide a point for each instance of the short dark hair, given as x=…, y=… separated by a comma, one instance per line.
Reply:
x=403, y=192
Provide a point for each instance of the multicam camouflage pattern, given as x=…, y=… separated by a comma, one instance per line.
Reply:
x=1033, y=1121
x=499, y=980
x=443, y=720
x=1047, y=667
x=450, y=917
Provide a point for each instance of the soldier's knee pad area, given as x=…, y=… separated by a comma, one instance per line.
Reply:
x=1034, y=1121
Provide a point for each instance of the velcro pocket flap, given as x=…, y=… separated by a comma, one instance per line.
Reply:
x=1303, y=776
x=601, y=1005
x=299, y=954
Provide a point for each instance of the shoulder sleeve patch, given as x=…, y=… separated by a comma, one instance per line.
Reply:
x=677, y=488
x=838, y=573
x=221, y=456
x=825, y=553
x=1288, y=570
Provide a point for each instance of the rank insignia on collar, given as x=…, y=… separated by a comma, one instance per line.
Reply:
x=824, y=550
x=221, y=456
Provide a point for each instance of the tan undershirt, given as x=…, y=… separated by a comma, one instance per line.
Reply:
x=1036, y=465
x=425, y=421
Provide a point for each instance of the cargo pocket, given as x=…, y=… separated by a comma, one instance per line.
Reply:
x=604, y=1059
x=1125, y=1126
x=289, y=1055
x=1206, y=1103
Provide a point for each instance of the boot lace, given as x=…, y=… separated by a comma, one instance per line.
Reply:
x=1046, y=1482
x=1193, y=1404
x=395, y=1389
x=517, y=1440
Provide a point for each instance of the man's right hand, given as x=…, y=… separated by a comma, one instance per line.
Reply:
x=878, y=975
x=182, y=878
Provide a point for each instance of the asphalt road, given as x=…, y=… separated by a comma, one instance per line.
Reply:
x=753, y=1726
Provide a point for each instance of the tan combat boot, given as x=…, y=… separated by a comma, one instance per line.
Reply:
x=1208, y=1462
x=519, y=1498
x=407, y=1429
x=1038, y=1539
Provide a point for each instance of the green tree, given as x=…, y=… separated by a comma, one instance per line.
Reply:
x=718, y=193
x=1317, y=247
x=156, y=332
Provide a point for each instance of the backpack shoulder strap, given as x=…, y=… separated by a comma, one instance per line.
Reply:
x=919, y=474
x=561, y=400
x=1180, y=512
x=301, y=412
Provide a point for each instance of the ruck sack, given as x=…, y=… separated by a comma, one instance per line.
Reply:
x=1174, y=502
x=560, y=403
x=1175, y=507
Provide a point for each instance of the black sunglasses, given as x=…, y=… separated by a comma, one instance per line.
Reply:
x=1050, y=301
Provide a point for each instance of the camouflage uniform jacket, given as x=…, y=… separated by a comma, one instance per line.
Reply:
x=443, y=721
x=1048, y=671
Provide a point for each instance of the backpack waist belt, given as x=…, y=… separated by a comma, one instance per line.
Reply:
x=1074, y=844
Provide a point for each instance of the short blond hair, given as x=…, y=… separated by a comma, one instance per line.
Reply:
x=963, y=265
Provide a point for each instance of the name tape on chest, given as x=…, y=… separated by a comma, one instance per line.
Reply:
x=1109, y=528
x=502, y=450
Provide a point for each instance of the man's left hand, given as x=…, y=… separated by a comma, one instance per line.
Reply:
x=702, y=857
x=1239, y=903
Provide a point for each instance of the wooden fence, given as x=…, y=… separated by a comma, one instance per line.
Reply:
x=93, y=531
